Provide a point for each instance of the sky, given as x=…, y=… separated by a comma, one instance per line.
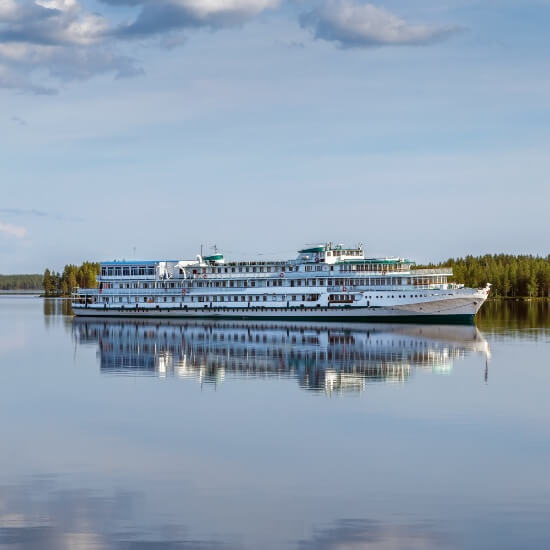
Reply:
x=145, y=128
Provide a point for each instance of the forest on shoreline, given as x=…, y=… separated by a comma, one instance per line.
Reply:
x=62, y=284
x=512, y=276
x=21, y=282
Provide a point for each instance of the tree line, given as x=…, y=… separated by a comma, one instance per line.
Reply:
x=62, y=284
x=21, y=282
x=511, y=276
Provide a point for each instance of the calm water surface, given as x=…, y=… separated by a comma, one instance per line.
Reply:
x=273, y=435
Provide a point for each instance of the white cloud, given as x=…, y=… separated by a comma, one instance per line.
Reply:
x=159, y=16
x=16, y=231
x=58, y=37
x=353, y=24
x=61, y=40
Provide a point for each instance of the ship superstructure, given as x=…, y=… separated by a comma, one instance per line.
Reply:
x=324, y=282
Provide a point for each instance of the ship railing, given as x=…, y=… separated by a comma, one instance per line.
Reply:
x=126, y=291
x=264, y=290
x=239, y=275
x=434, y=271
x=136, y=277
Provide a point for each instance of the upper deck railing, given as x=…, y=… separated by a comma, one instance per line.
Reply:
x=432, y=271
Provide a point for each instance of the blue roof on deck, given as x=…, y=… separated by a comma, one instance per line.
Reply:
x=135, y=262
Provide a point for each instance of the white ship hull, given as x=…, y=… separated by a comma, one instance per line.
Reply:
x=460, y=309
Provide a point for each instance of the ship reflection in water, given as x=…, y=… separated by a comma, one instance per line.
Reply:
x=321, y=357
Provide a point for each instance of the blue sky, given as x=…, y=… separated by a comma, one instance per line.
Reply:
x=420, y=128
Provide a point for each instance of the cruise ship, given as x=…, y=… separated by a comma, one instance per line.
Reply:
x=324, y=282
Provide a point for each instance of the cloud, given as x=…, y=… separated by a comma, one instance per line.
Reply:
x=16, y=231
x=20, y=121
x=356, y=25
x=22, y=211
x=40, y=214
x=159, y=16
x=56, y=41
x=58, y=37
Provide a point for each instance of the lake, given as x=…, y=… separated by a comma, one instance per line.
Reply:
x=251, y=435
